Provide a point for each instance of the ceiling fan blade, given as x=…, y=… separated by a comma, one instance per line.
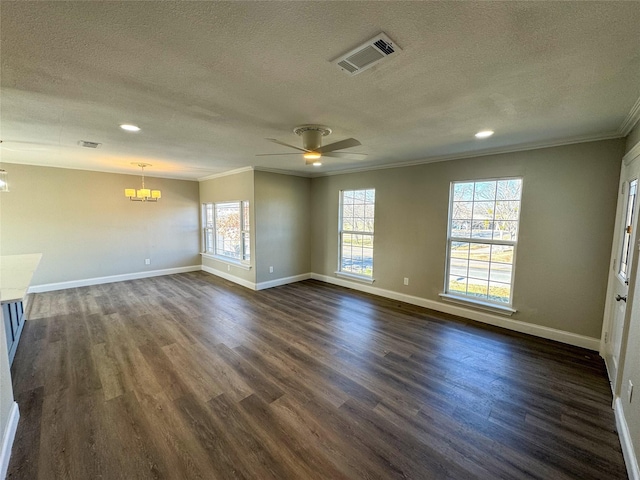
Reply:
x=24, y=146
x=26, y=142
x=269, y=154
x=348, y=143
x=353, y=156
x=286, y=144
x=24, y=149
x=21, y=145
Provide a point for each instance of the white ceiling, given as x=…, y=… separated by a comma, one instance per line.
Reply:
x=208, y=81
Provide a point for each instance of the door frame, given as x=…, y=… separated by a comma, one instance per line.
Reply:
x=631, y=157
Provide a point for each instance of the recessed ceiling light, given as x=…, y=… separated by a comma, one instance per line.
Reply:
x=484, y=134
x=317, y=164
x=130, y=128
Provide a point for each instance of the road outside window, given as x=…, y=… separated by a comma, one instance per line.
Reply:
x=484, y=218
x=356, y=230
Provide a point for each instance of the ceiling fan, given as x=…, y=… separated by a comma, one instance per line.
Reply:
x=312, y=149
x=22, y=146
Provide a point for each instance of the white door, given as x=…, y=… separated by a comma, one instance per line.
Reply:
x=618, y=291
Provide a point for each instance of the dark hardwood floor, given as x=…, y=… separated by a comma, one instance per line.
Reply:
x=192, y=377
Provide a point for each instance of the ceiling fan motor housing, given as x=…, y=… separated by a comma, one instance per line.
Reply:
x=312, y=135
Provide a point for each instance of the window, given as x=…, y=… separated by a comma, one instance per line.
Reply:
x=482, y=239
x=226, y=230
x=357, y=209
x=623, y=269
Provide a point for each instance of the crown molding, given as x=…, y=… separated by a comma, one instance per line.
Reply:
x=101, y=170
x=224, y=174
x=480, y=153
x=632, y=119
x=283, y=172
x=625, y=128
x=256, y=169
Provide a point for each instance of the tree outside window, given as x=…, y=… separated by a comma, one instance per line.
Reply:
x=482, y=239
x=226, y=229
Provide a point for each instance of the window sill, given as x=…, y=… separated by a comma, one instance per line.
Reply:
x=227, y=260
x=491, y=307
x=357, y=278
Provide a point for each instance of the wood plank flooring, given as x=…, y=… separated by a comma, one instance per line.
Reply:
x=192, y=377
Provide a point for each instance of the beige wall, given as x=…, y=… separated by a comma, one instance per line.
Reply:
x=631, y=366
x=568, y=209
x=283, y=237
x=85, y=227
x=228, y=188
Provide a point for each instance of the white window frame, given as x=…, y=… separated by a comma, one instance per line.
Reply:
x=362, y=277
x=485, y=303
x=626, y=247
x=209, y=249
x=208, y=228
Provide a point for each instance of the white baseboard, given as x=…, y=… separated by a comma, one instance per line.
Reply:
x=255, y=286
x=7, y=439
x=496, y=320
x=283, y=281
x=49, y=287
x=230, y=277
x=484, y=317
x=610, y=368
x=628, y=452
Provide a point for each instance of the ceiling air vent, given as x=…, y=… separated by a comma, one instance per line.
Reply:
x=84, y=143
x=366, y=55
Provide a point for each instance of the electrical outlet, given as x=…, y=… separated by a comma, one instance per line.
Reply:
x=630, y=391
x=147, y=261
x=606, y=337
x=406, y=280
x=270, y=269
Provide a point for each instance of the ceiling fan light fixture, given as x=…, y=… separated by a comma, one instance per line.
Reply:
x=312, y=149
x=484, y=133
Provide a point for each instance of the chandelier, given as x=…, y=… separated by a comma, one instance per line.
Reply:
x=143, y=194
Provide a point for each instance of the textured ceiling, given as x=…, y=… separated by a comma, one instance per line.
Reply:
x=208, y=81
